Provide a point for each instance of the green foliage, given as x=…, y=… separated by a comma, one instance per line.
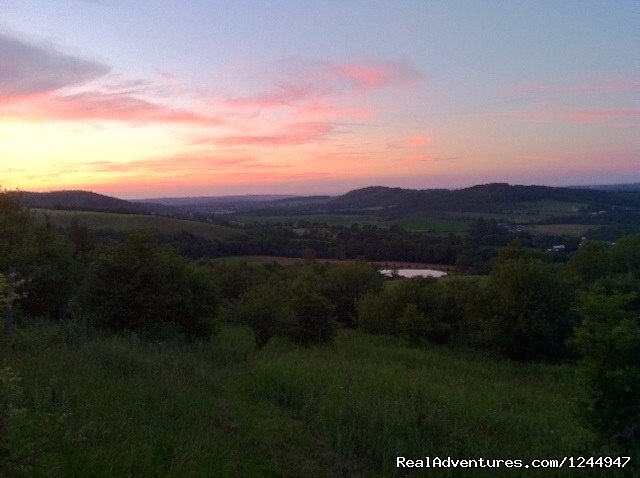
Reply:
x=590, y=262
x=532, y=315
x=140, y=286
x=265, y=310
x=32, y=429
x=371, y=399
x=413, y=308
x=377, y=313
x=516, y=250
x=199, y=409
x=413, y=325
x=608, y=341
x=313, y=312
x=234, y=278
x=625, y=255
x=346, y=283
x=51, y=271
x=15, y=225
x=129, y=223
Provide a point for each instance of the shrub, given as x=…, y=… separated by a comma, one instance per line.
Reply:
x=531, y=313
x=377, y=313
x=264, y=310
x=609, y=342
x=138, y=285
x=346, y=283
x=412, y=324
x=313, y=323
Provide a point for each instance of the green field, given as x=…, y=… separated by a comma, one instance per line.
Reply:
x=328, y=219
x=560, y=229
x=420, y=223
x=133, y=222
x=435, y=224
x=220, y=409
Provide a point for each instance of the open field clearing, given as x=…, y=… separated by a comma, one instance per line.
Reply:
x=135, y=222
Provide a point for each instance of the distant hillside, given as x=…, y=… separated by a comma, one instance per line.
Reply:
x=630, y=187
x=215, y=200
x=260, y=203
x=135, y=222
x=486, y=197
x=88, y=201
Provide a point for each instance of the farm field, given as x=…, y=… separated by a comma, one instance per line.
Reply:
x=560, y=229
x=222, y=409
x=420, y=223
x=134, y=222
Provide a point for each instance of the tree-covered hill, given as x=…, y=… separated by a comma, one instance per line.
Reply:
x=88, y=201
x=483, y=198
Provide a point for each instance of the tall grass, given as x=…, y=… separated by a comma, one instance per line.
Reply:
x=220, y=409
x=372, y=399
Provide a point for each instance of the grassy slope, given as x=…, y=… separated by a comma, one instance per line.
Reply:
x=347, y=410
x=132, y=222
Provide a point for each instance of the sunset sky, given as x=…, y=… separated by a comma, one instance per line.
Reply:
x=182, y=98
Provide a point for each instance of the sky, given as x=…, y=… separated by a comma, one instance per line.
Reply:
x=198, y=98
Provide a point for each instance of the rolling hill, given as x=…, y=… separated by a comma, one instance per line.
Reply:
x=96, y=220
x=89, y=201
x=481, y=198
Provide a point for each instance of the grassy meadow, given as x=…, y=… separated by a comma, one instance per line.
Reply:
x=134, y=222
x=221, y=409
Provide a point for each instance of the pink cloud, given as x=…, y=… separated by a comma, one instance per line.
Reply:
x=412, y=142
x=371, y=76
x=426, y=158
x=100, y=106
x=298, y=83
x=546, y=114
x=294, y=134
x=419, y=140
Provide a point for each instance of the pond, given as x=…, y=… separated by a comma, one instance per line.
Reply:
x=412, y=273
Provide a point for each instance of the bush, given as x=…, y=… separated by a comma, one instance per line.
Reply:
x=377, y=313
x=412, y=324
x=531, y=316
x=347, y=283
x=609, y=342
x=264, y=310
x=140, y=286
x=313, y=313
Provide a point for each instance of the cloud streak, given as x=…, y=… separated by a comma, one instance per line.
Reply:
x=29, y=69
x=548, y=115
x=294, y=134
